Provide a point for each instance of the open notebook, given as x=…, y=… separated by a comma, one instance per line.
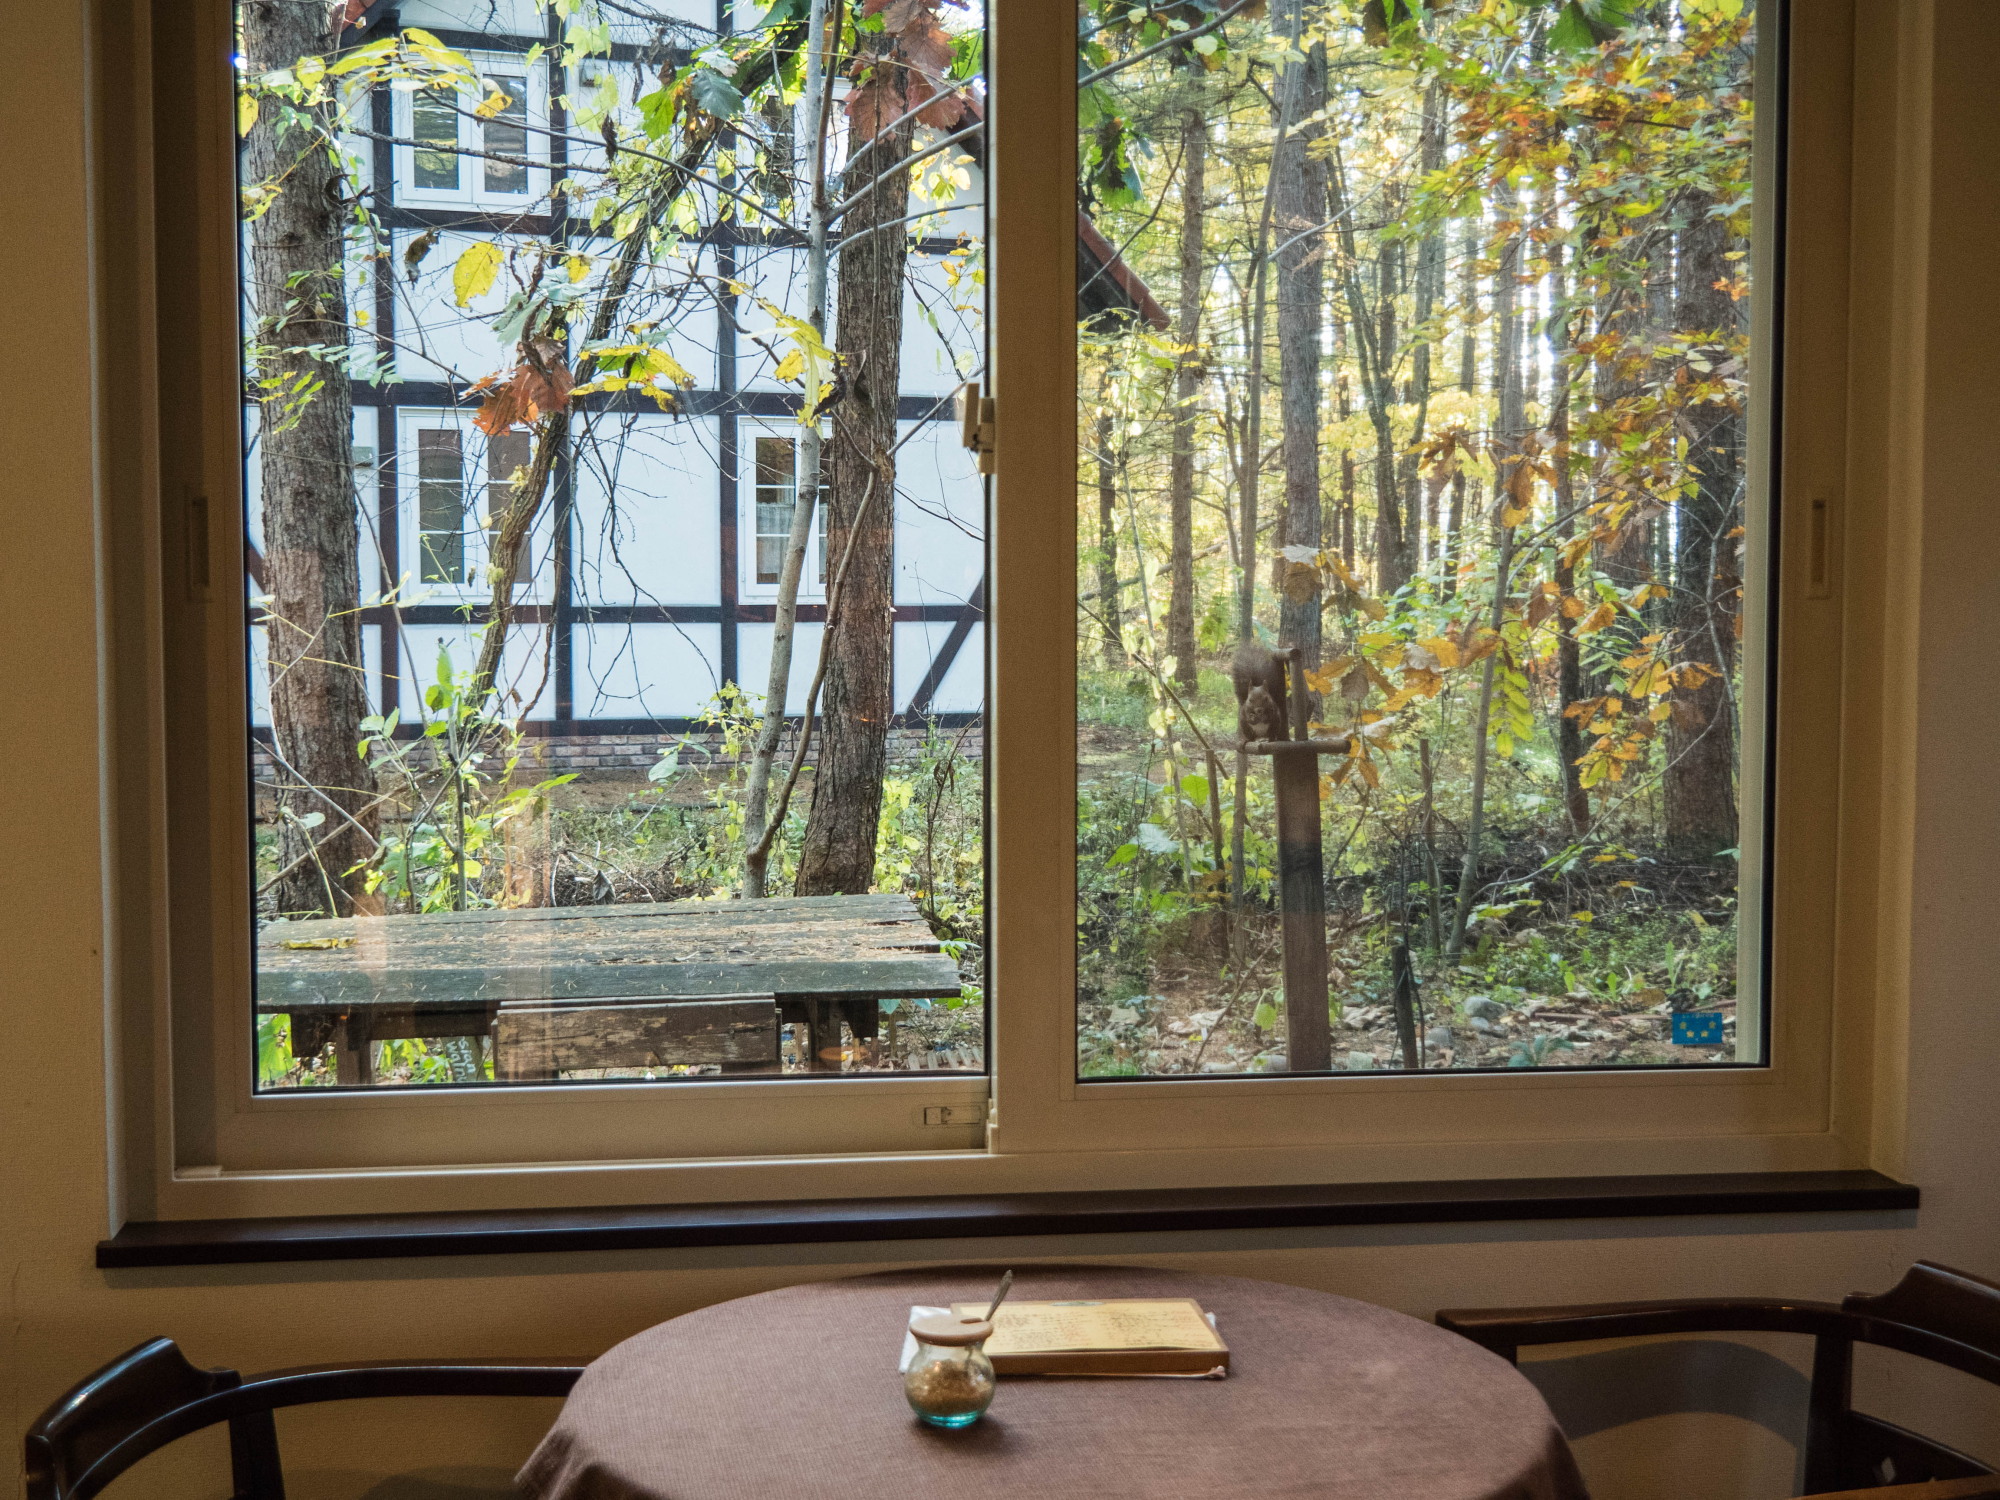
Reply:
x=1114, y=1336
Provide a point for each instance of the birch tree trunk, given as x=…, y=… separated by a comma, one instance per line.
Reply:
x=1299, y=206
x=757, y=838
x=838, y=856
x=305, y=461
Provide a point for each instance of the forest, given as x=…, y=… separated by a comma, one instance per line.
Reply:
x=1446, y=387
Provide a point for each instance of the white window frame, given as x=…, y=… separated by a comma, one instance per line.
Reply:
x=472, y=588
x=204, y=1147
x=472, y=191
x=812, y=589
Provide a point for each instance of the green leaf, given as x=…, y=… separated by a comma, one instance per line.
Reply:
x=714, y=93
x=1572, y=32
x=476, y=269
x=656, y=113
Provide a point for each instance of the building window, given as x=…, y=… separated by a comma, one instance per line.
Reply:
x=776, y=490
x=506, y=134
x=441, y=506
x=434, y=113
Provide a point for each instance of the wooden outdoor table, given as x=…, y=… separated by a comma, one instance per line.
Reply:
x=795, y=1393
x=572, y=986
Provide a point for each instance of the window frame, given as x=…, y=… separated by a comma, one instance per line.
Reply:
x=812, y=584
x=474, y=194
x=196, y=1144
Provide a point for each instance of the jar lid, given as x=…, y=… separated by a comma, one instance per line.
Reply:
x=942, y=1328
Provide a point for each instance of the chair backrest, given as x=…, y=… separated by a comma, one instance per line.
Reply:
x=1935, y=1313
x=152, y=1396
x=104, y=1409
x=1950, y=1316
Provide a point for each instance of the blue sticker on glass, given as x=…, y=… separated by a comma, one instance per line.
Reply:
x=1698, y=1028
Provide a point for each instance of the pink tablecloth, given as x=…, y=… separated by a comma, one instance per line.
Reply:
x=795, y=1394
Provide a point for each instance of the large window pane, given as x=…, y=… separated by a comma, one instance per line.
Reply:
x=523, y=473
x=1414, y=359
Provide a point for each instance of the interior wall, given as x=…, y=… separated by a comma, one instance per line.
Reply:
x=1693, y=1419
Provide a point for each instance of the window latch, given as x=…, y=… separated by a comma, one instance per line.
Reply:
x=976, y=423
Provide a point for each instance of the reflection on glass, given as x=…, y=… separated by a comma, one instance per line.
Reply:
x=777, y=488
x=434, y=123
x=1414, y=365
x=594, y=831
x=441, y=505
x=506, y=134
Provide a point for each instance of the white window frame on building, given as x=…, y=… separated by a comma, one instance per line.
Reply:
x=521, y=129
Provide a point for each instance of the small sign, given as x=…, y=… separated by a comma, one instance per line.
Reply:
x=1698, y=1028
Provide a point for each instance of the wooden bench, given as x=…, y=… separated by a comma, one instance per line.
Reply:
x=558, y=989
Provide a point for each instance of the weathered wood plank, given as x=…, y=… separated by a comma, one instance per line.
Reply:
x=420, y=942
x=775, y=909
x=918, y=977
x=535, y=1040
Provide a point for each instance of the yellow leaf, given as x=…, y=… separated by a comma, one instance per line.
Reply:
x=492, y=104
x=791, y=366
x=1444, y=648
x=246, y=113
x=473, y=275
x=1513, y=516
x=659, y=362
x=578, y=267
x=327, y=942
x=1597, y=619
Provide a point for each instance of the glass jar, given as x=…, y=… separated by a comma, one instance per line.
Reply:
x=949, y=1380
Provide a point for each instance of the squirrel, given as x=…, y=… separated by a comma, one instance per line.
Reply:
x=1260, y=693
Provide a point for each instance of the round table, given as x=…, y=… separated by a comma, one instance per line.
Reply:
x=795, y=1393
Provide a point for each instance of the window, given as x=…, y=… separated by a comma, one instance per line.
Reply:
x=435, y=116
x=505, y=134
x=472, y=133
x=440, y=506
x=1444, y=471
x=576, y=740
x=775, y=491
x=638, y=637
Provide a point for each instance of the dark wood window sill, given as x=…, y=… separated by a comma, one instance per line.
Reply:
x=209, y=1242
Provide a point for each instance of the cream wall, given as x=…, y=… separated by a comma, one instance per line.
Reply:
x=1924, y=418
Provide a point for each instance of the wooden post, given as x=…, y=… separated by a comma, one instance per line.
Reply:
x=1302, y=888
x=354, y=1050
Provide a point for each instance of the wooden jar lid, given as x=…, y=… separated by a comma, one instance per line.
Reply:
x=950, y=1332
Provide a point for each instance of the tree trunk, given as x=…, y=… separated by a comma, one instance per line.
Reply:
x=839, y=851
x=1569, y=657
x=1107, y=547
x=757, y=835
x=1187, y=389
x=1393, y=561
x=1299, y=208
x=1701, y=753
x=1511, y=421
x=1347, y=508
x=305, y=454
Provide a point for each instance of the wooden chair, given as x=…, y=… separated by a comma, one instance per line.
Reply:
x=150, y=1396
x=1934, y=1312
